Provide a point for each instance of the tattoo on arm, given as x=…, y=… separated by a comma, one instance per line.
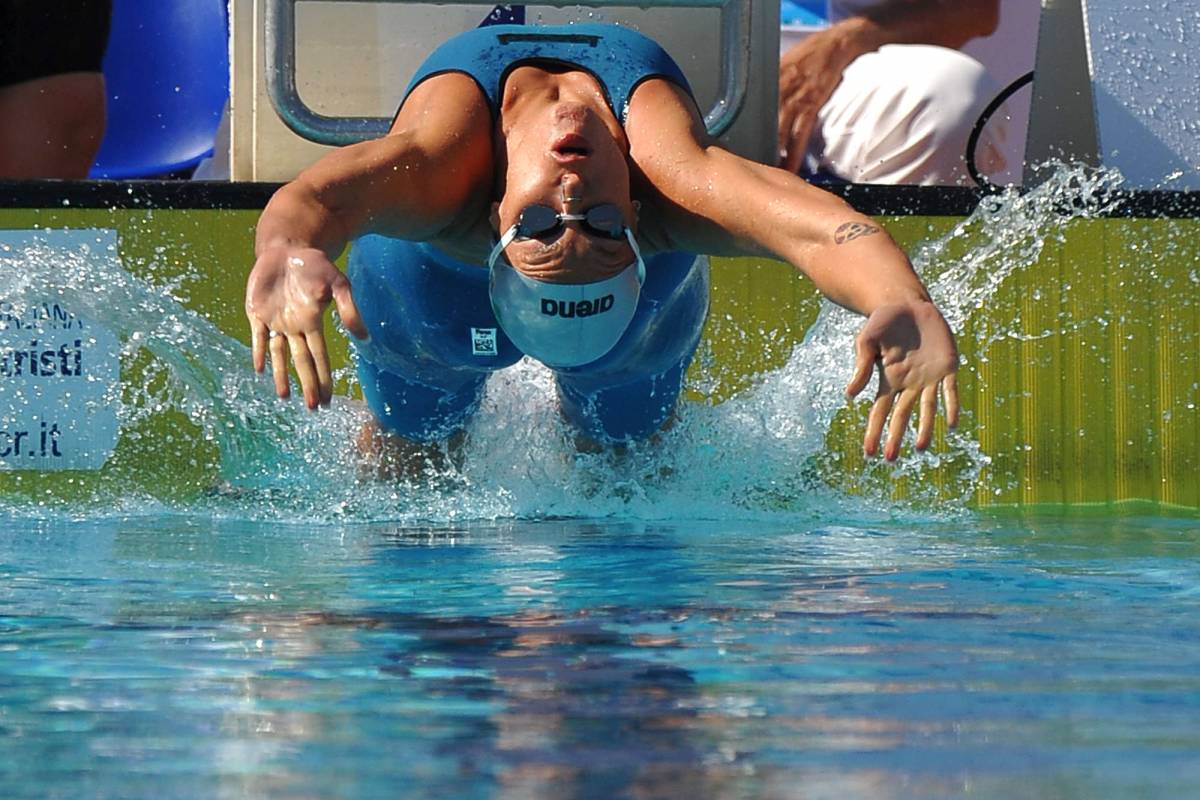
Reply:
x=849, y=231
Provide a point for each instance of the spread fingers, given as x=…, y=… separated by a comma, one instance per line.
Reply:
x=279, y=363
x=875, y=421
x=258, y=344
x=320, y=358
x=928, y=413
x=899, y=423
x=306, y=370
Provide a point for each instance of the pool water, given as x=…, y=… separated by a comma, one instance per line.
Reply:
x=186, y=656
x=234, y=607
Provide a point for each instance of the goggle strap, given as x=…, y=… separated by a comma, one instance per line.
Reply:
x=637, y=253
x=504, y=242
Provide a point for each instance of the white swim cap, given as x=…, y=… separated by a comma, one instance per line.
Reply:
x=564, y=324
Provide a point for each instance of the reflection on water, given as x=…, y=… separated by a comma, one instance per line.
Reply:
x=577, y=659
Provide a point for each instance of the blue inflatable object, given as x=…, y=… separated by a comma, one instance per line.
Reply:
x=167, y=71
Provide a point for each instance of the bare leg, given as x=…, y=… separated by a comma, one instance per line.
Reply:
x=586, y=444
x=55, y=126
x=387, y=456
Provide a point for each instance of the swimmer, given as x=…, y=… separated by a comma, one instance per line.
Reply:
x=537, y=196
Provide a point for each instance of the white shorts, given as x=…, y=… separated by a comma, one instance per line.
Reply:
x=903, y=115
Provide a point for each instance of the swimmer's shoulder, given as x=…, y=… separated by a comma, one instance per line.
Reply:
x=451, y=101
x=661, y=108
x=449, y=119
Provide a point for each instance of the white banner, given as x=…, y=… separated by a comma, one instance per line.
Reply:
x=59, y=370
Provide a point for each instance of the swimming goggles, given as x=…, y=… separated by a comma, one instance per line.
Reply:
x=603, y=220
x=536, y=220
x=565, y=325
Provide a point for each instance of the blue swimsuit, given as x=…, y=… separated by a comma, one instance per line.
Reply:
x=434, y=337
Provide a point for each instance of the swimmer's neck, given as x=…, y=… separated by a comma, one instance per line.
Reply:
x=530, y=89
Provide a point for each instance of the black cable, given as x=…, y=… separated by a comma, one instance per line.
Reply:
x=980, y=179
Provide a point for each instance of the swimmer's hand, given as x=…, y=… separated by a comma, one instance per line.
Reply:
x=286, y=296
x=808, y=75
x=914, y=348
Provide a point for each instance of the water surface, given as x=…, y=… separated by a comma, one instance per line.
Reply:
x=188, y=657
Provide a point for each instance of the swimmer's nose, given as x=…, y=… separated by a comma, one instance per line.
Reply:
x=572, y=192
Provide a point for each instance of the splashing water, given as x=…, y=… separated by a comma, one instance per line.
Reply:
x=193, y=413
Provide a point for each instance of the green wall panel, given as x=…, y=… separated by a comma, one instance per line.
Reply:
x=1080, y=378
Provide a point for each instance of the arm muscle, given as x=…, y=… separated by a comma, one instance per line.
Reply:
x=432, y=171
x=705, y=199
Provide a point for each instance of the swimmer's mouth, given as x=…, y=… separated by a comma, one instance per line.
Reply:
x=571, y=147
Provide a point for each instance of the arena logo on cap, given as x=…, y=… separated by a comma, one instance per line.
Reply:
x=569, y=309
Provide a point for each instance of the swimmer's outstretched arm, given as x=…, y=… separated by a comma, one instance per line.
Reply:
x=430, y=177
x=701, y=198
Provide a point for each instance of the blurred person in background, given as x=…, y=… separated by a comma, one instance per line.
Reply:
x=885, y=94
x=52, y=98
